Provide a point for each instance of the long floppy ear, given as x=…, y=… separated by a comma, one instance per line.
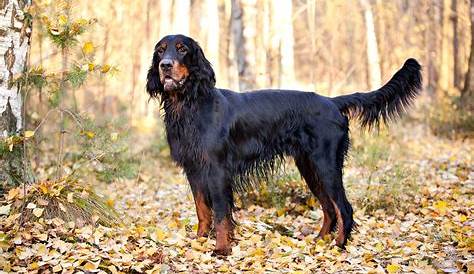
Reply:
x=153, y=83
x=201, y=71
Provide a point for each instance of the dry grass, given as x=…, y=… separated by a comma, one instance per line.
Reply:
x=66, y=199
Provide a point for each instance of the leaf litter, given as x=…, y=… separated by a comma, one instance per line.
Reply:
x=433, y=232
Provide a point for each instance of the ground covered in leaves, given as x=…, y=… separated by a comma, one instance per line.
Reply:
x=412, y=194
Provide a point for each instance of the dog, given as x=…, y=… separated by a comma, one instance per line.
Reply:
x=223, y=139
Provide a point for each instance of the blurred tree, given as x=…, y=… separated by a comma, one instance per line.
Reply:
x=15, y=32
x=373, y=63
x=245, y=73
x=456, y=67
x=445, y=75
x=467, y=95
x=224, y=41
x=433, y=44
x=181, y=16
x=286, y=37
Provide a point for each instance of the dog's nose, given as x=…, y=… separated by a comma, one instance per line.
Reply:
x=166, y=64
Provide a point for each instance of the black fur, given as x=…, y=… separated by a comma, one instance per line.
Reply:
x=222, y=139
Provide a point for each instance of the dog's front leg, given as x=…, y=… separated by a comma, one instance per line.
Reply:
x=221, y=194
x=203, y=209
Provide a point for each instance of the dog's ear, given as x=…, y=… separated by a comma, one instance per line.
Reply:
x=153, y=83
x=202, y=70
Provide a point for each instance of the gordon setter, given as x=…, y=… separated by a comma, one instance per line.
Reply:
x=224, y=139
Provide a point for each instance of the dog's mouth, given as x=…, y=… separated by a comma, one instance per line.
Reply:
x=170, y=83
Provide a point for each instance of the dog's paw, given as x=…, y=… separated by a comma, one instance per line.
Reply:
x=222, y=252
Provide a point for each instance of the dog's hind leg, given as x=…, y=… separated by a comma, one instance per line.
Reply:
x=328, y=160
x=308, y=172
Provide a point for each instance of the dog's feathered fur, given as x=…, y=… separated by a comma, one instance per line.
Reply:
x=222, y=138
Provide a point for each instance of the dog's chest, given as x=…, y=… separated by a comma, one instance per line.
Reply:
x=185, y=140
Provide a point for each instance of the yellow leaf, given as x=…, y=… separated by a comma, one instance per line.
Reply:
x=81, y=22
x=311, y=202
x=462, y=218
x=379, y=247
x=197, y=246
x=91, y=266
x=89, y=134
x=88, y=47
x=62, y=19
x=105, y=68
x=160, y=234
x=393, y=268
x=38, y=212
x=259, y=252
x=110, y=202
x=441, y=206
x=33, y=266
x=13, y=193
x=44, y=189
x=29, y=133
x=114, y=136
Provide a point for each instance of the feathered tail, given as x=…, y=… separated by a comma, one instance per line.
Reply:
x=386, y=103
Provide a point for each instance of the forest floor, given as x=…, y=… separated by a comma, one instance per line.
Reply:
x=423, y=223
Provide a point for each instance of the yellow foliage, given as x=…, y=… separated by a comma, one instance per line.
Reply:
x=88, y=48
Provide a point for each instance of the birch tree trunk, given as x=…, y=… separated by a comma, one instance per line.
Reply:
x=456, y=65
x=165, y=12
x=224, y=43
x=445, y=75
x=467, y=95
x=287, y=61
x=245, y=74
x=373, y=62
x=212, y=41
x=181, y=16
x=15, y=31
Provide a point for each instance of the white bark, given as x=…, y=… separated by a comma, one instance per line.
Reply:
x=212, y=43
x=14, y=44
x=165, y=22
x=181, y=16
x=373, y=62
x=287, y=43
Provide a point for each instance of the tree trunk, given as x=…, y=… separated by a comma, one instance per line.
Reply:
x=15, y=31
x=446, y=58
x=456, y=68
x=165, y=22
x=224, y=43
x=181, y=16
x=212, y=41
x=287, y=39
x=467, y=95
x=373, y=63
x=246, y=76
x=433, y=45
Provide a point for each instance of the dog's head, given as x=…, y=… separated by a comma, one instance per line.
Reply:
x=179, y=66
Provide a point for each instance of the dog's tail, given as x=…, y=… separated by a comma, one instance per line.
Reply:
x=386, y=103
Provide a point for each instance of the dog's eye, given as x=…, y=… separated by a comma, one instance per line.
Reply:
x=182, y=50
x=160, y=50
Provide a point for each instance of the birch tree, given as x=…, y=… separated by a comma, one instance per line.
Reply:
x=245, y=73
x=181, y=16
x=467, y=95
x=15, y=31
x=373, y=62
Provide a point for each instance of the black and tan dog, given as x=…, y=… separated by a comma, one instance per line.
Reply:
x=223, y=138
